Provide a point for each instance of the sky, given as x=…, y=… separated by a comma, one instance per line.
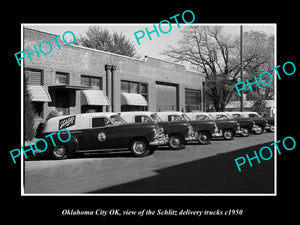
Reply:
x=153, y=47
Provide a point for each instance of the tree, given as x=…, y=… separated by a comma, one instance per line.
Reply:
x=28, y=114
x=261, y=46
x=216, y=54
x=258, y=103
x=101, y=39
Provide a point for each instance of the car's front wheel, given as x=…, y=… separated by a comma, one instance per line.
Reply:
x=259, y=130
x=139, y=147
x=59, y=152
x=228, y=134
x=176, y=142
x=204, y=137
x=271, y=129
x=245, y=132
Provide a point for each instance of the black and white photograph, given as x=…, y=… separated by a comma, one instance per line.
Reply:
x=167, y=122
x=174, y=117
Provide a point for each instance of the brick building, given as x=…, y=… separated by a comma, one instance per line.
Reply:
x=76, y=79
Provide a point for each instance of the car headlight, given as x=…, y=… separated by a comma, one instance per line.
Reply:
x=161, y=129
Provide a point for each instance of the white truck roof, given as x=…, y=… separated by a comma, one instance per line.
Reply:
x=73, y=122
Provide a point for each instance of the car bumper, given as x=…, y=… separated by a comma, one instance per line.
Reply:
x=192, y=137
x=239, y=131
x=217, y=133
x=269, y=126
x=161, y=140
x=255, y=128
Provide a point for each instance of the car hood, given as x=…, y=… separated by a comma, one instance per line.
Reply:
x=204, y=122
x=138, y=125
x=172, y=123
x=226, y=121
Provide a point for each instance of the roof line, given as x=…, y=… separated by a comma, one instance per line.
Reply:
x=142, y=59
x=87, y=48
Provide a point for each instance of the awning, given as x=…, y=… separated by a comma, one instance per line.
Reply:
x=39, y=93
x=133, y=99
x=94, y=97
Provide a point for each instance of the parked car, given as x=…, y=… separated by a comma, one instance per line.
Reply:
x=178, y=132
x=245, y=125
x=260, y=122
x=226, y=128
x=203, y=129
x=92, y=132
x=270, y=127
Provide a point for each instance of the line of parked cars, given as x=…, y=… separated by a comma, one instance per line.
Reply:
x=142, y=131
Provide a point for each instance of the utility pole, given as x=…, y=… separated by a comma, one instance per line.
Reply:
x=241, y=61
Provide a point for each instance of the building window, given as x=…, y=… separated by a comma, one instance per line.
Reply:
x=134, y=87
x=192, y=100
x=125, y=86
x=34, y=76
x=137, y=88
x=85, y=81
x=93, y=82
x=144, y=90
x=91, y=108
x=61, y=78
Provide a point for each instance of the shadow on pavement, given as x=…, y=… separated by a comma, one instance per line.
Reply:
x=216, y=174
x=120, y=153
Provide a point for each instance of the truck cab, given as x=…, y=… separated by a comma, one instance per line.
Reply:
x=177, y=131
x=203, y=129
x=226, y=128
x=245, y=125
x=260, y=122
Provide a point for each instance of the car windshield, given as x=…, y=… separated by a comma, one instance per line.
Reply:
x=116, y=120
x=212, y=117
x=175, y=118
x=202, y=117
x=254, y=115
x=237, y=116
x=155, y=118
x=186, y=117
x=221, y=117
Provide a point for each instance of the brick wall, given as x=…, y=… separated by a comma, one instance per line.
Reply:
x=77, y=61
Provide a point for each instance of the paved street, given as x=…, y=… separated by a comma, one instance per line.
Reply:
x=195, y=169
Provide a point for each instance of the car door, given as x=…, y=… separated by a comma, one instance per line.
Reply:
x=101, y=134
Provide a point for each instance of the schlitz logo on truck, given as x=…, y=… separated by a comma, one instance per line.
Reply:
x=66, y=122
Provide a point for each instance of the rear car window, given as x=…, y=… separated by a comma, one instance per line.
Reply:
x=142, y=119
x=202, y=117
x=100, y=122
x=175, y=118
x=252, y=115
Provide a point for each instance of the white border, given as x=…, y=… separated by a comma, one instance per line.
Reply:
x=145, y=194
